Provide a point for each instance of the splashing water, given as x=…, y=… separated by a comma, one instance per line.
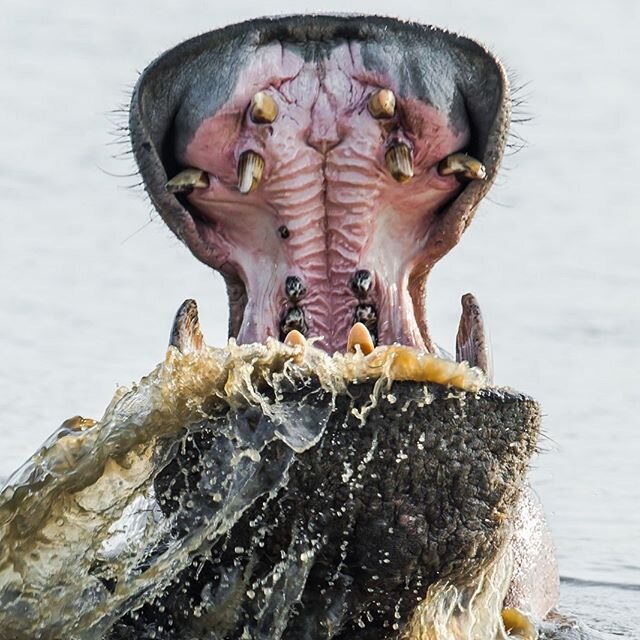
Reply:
x=202, y=503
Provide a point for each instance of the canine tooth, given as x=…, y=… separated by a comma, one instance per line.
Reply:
x=250, y=168
x=472, y=344
x=264, y=109
x=188, y=180
x=360, y=336
x=185, y=332
x=294, y=288
x=382, y=104
x=463, y=164
x=399, y=162
x=361, y=283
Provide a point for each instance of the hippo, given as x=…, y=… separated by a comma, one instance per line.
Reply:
x=323, y=165
x=331, y=473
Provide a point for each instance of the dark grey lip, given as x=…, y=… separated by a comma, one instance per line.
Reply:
x=173, y=78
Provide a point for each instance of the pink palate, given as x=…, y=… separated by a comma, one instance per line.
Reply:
x=325, y=179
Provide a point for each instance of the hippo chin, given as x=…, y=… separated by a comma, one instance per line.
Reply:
x=328, y=474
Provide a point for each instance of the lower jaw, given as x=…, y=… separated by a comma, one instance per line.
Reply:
x=360, y=359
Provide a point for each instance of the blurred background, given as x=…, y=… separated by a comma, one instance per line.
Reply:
x=90, y=278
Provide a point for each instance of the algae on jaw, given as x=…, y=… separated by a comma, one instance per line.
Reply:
x=105, y=516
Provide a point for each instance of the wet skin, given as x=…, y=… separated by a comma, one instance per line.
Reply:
x=328, y=235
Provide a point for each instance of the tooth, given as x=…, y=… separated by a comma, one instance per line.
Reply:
x=361, y=283
x=264, y=109
x=399, y=163
x=366, y=314
x=464, y=164
x=295, y=339
x=294, y=319
x=294, y=288
x=382, y=104
x=472, y=344
x=188, y=180
x=185, y=332
x=359, y=336
x=250, y=168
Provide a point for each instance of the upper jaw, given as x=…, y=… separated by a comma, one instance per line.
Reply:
x=318, y=168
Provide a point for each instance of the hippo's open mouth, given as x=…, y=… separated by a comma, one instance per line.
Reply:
x=323, y=165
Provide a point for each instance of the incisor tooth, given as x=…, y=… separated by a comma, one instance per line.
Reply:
x=295, y=339
x=463, y=164
x=188, y=180
x=382, y=104
x=360, y=336
x=250, y=168
x=399, y=163
x=264, y=109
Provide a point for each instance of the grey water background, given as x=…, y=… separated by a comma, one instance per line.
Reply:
x=90, y=278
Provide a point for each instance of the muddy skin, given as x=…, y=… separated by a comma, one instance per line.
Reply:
x=357, y=557
x=324, y=202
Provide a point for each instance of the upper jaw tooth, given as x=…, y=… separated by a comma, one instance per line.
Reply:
x=263, y=109
x=462, y=164
x=399, y=161
x=250, y=169
x=188, y=180
x=382, y=104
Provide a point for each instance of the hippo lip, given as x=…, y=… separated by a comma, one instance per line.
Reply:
x=336, y=192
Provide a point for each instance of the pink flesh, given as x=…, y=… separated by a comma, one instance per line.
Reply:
x=325, y=179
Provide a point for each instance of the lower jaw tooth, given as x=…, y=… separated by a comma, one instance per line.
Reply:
x=295, y=339
x=293, y=320
x=359, y=336
x=185, y=332
x=472, y=344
